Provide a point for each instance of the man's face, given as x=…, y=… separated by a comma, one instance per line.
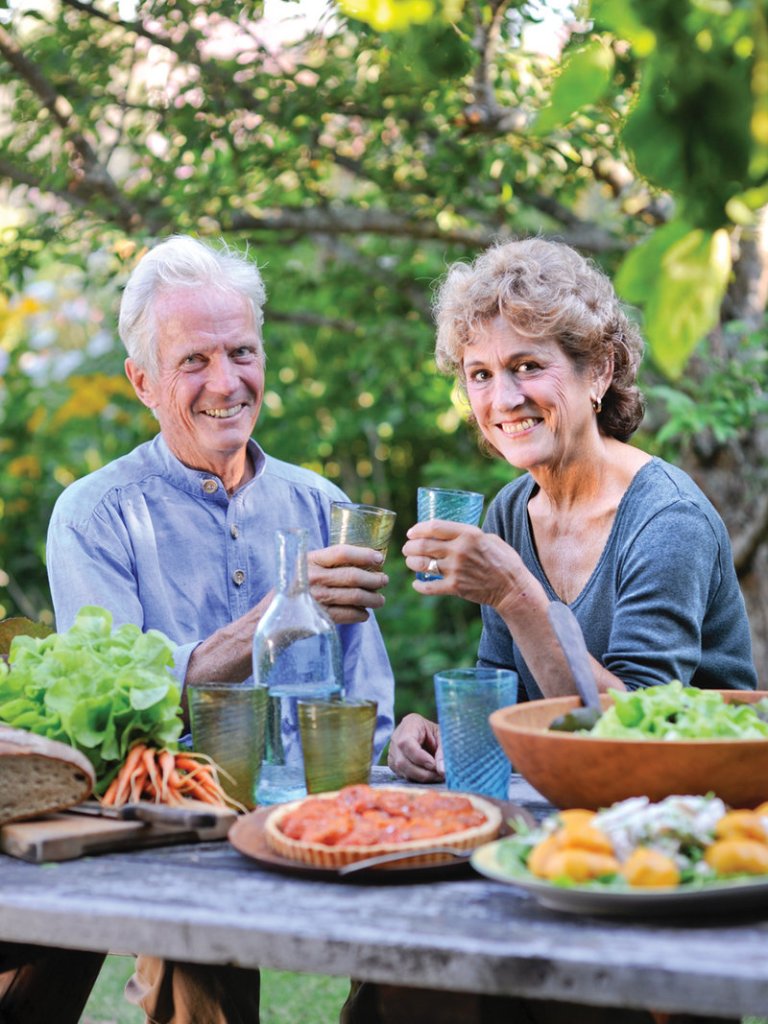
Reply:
x=209, y=383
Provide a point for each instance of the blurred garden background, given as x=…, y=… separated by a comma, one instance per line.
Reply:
x=355, y=149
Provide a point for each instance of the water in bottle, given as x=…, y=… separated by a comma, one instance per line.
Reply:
x=296, y=653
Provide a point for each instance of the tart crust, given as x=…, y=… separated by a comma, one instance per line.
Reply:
x=337, y=855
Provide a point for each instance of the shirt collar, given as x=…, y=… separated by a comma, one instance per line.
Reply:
x=198, y=481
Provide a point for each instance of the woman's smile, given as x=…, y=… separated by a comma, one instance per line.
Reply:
x=515, y=428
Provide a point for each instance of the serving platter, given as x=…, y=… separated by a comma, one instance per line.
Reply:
x=247, y=835
x=735, y=896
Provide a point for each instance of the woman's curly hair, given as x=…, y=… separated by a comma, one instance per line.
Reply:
x=545, y=290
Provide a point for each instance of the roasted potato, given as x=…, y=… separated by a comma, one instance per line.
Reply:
x=737, y=856
x=650, y=869
x=580, y=865
x=742, y=825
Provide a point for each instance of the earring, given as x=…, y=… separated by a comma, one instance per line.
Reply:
x=597, y=405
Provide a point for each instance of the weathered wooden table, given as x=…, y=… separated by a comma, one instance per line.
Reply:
x=209, y=904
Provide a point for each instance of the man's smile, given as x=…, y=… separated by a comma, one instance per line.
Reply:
x=224, y=414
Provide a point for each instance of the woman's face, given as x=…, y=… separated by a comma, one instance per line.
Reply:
x=529, y=401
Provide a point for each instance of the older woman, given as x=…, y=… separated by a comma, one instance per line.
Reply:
x=548, y=361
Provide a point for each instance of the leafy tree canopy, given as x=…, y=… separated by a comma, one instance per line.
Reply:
x=356, y=162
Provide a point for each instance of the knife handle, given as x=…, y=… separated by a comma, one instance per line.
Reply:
x=165, y=814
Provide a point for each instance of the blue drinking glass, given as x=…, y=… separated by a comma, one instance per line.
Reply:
x=442, y=503
x=474, y=761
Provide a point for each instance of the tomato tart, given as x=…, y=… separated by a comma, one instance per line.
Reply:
x=333, y=829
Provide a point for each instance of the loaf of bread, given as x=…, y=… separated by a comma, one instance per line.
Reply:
x=38, y=775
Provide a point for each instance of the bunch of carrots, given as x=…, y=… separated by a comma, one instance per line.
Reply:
x=167, y=777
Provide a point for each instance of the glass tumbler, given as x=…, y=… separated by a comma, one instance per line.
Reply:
x=474, y=760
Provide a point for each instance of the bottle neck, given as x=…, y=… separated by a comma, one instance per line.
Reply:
x=293, y=577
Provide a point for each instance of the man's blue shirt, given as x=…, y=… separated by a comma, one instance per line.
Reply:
x=164, y=546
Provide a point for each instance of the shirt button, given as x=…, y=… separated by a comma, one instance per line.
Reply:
x=210, y=486
x=238, y=577
x=234, y=531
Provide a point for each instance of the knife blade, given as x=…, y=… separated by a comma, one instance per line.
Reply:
x=571, y=639
x=392, y=858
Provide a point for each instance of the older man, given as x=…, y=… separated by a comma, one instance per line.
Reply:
x=178, y=535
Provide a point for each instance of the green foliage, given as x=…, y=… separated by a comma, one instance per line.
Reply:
x=355, y=164
x=723, y=403
x=683, y=274
x=424, y=635
x=582, y=82
x=701, y=66
x=55, y=425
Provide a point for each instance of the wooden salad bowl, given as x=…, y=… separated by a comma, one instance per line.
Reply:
x=579, y=770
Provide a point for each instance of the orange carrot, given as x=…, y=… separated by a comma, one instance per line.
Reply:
x=189, y=785
x=138, y=779
x=109, y=796
x=153, y=775
x=187, y=764
x=125, y=774
x=167, y=761
x=165, y=777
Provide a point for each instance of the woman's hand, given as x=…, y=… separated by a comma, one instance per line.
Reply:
x=346, y=581
x=477, y=566
x=415, y=752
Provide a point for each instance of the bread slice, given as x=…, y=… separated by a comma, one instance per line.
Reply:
x=38, y=775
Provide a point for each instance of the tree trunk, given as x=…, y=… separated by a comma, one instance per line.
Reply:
x=735, y=476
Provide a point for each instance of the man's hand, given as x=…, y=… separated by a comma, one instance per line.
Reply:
x=415, y=752
x=346, y=581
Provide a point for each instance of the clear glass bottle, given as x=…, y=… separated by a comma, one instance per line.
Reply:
x=297, y=654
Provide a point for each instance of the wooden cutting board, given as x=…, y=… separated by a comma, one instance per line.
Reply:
x=67, y=836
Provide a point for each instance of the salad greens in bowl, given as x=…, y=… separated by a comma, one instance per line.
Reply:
x=677, y=712
x=655, y=742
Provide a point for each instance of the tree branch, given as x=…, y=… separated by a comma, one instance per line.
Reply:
x=340, y=220
x=89, y=176
x=483, y=113
x=313, y=320
x=187, y=49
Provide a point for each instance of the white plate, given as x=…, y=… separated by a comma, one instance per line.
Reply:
x=737, y=895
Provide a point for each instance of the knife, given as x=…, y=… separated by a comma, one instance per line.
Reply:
x=571, y=639
x=154, y=814
x=391, y=858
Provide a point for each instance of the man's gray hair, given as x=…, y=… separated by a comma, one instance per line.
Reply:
x=182, y=262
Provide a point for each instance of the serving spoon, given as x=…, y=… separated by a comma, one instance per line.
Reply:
x=571, y=639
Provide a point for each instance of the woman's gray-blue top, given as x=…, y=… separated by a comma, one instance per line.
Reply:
x=663, y=601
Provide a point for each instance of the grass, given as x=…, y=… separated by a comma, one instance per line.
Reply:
x=286, y=998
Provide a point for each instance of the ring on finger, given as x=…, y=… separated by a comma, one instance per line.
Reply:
x=432, y=567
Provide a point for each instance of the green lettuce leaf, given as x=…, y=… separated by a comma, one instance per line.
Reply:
x=97, y=688
x=673, y=712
